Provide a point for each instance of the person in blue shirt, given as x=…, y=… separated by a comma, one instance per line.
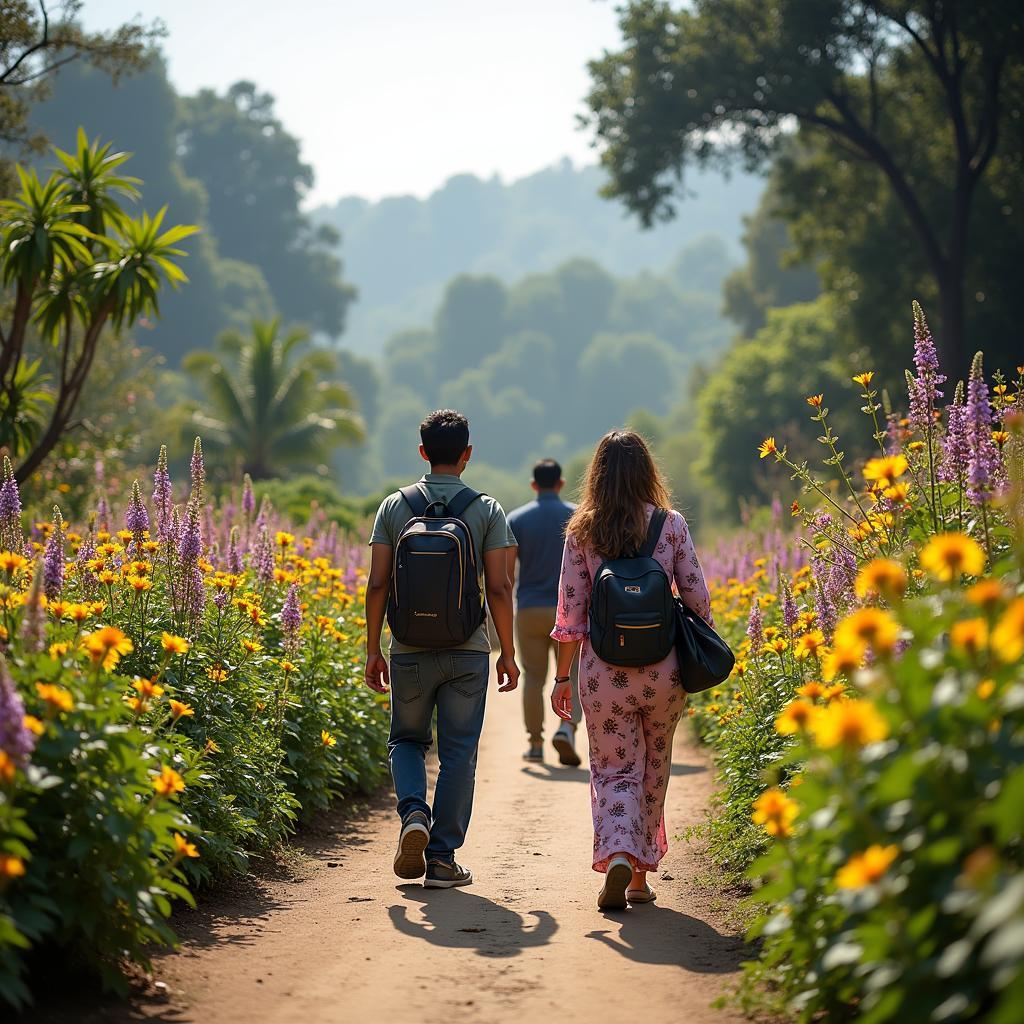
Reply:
x=539, y=529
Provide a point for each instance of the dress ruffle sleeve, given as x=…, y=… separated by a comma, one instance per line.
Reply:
x=574, y=586
x=689, y=576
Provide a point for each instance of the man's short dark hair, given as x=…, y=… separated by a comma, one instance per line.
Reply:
x=445, y=436
x=546, y=474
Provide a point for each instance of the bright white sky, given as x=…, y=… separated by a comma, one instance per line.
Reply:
x=395, y=97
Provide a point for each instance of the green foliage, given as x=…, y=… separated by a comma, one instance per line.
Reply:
x=270, y=406
x=76, y=264
x=719, y=81
x=249, y=164
x=180, y=719
x=766, y=380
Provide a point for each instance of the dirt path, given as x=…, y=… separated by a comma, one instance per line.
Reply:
x=345, y=942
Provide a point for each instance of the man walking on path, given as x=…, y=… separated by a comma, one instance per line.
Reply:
x=539, y=529
x=419, y=535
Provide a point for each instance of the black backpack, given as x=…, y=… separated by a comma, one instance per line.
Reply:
x=632, y=611
x=435, y=596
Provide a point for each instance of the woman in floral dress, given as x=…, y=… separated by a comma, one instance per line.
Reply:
x=631, y=713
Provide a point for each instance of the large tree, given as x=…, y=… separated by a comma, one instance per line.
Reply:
x=725, y=78
x=252, y=170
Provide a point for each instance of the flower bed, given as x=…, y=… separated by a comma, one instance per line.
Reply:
x=174, y=694
x=870, y=741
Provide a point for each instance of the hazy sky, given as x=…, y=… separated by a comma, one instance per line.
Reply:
x=397, y=96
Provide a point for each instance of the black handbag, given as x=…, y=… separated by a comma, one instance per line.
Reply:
x=704, y=657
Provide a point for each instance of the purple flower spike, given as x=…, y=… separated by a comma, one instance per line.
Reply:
x=162, y=496
x=248, y=497
x=984, y=466
x=234, y=554
x=16, y=740
x=955, y=449
x=923, y=389
x=11, y=536
x=264, y=557
x=190, y=544
x=291, y=618
x=136, y=518
x=790, y=613
x=197, y=470
x=53, y=557
x=755, y=627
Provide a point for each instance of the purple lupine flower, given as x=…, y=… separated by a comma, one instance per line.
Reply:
x=16, y=741
x=248, y=497
x=11, y=536
x=234, y=554
x=955, y=449
x=755, y=627
x=923, y=389
x=220, y=600
x=86, y=553
x=291, y=618
x=264, y=557
x=197, y=470
x=136, y=518
x=53, y=558
x=824, y=606
x=162, y=496
x=103, y=513
x=790, y=612
x=33, y=617
x=190, y=542
x=984, y=467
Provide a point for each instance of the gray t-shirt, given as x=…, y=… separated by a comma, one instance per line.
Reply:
x=485, y=520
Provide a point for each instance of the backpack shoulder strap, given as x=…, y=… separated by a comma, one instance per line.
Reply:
x=654, y=533
x=461, y=500
x=416, y=498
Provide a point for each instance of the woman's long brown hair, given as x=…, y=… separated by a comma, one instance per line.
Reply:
x=621, y=480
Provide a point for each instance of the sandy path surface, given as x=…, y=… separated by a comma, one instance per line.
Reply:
x=342, y=939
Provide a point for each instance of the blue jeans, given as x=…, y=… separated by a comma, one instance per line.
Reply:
x=455, y=683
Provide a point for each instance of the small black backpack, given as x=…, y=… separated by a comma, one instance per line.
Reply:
x=632, y=612
x=435, y=598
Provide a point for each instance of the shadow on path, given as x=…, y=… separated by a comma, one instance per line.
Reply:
x=659, y=935
x=458, y=919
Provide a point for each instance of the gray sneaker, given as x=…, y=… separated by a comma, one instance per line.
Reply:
x=446, y=874
x=564, y=741
x=412, y=841
x=534, y=753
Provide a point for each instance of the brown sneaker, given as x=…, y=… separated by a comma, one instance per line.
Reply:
x=412, y=841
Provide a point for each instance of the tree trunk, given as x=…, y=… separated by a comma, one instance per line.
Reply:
x=952, y=337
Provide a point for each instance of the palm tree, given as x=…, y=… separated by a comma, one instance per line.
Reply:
x=275, y=408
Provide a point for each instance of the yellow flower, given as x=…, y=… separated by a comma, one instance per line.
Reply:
x=868, y=627
x=252, y=646
x=815, y=400
x=809, y=645
x=887, y=469
x=11, y=866
x=812, y=690
x=985, y=689
x=210, y=747
x=106, y=646
x=866, y=868
x=986, y=594
x=864, y=379
x=327, y=739
x=969, y=634
x=795, y=509
x=168, y=782
x=897, y=493
x=140, y=584
x=174, y=644
x=55, y=696
x=848, y=723
x=147, y=688
x=217, y=674
x=833, y=692
x=11, y=562
x=767, y=447
x=949, y=555
x=180, y=710
x=283, y=540
x=33, y=725
x=183, y=848
x=137, y=704
x=775, y=811
x=7, y=767
x=1000, y=437
x=59, y=649
x=1008, y=636
x=794, y=717
x=287, y=667
x=883, y=577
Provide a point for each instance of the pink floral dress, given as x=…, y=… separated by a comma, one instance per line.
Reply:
x=631, y=713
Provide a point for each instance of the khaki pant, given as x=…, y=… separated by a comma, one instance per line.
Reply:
x=533, y=628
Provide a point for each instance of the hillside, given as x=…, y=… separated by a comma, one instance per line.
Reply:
x=401, y=251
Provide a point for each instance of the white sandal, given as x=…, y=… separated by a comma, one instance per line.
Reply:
x=644, y=895
x=616, y=880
